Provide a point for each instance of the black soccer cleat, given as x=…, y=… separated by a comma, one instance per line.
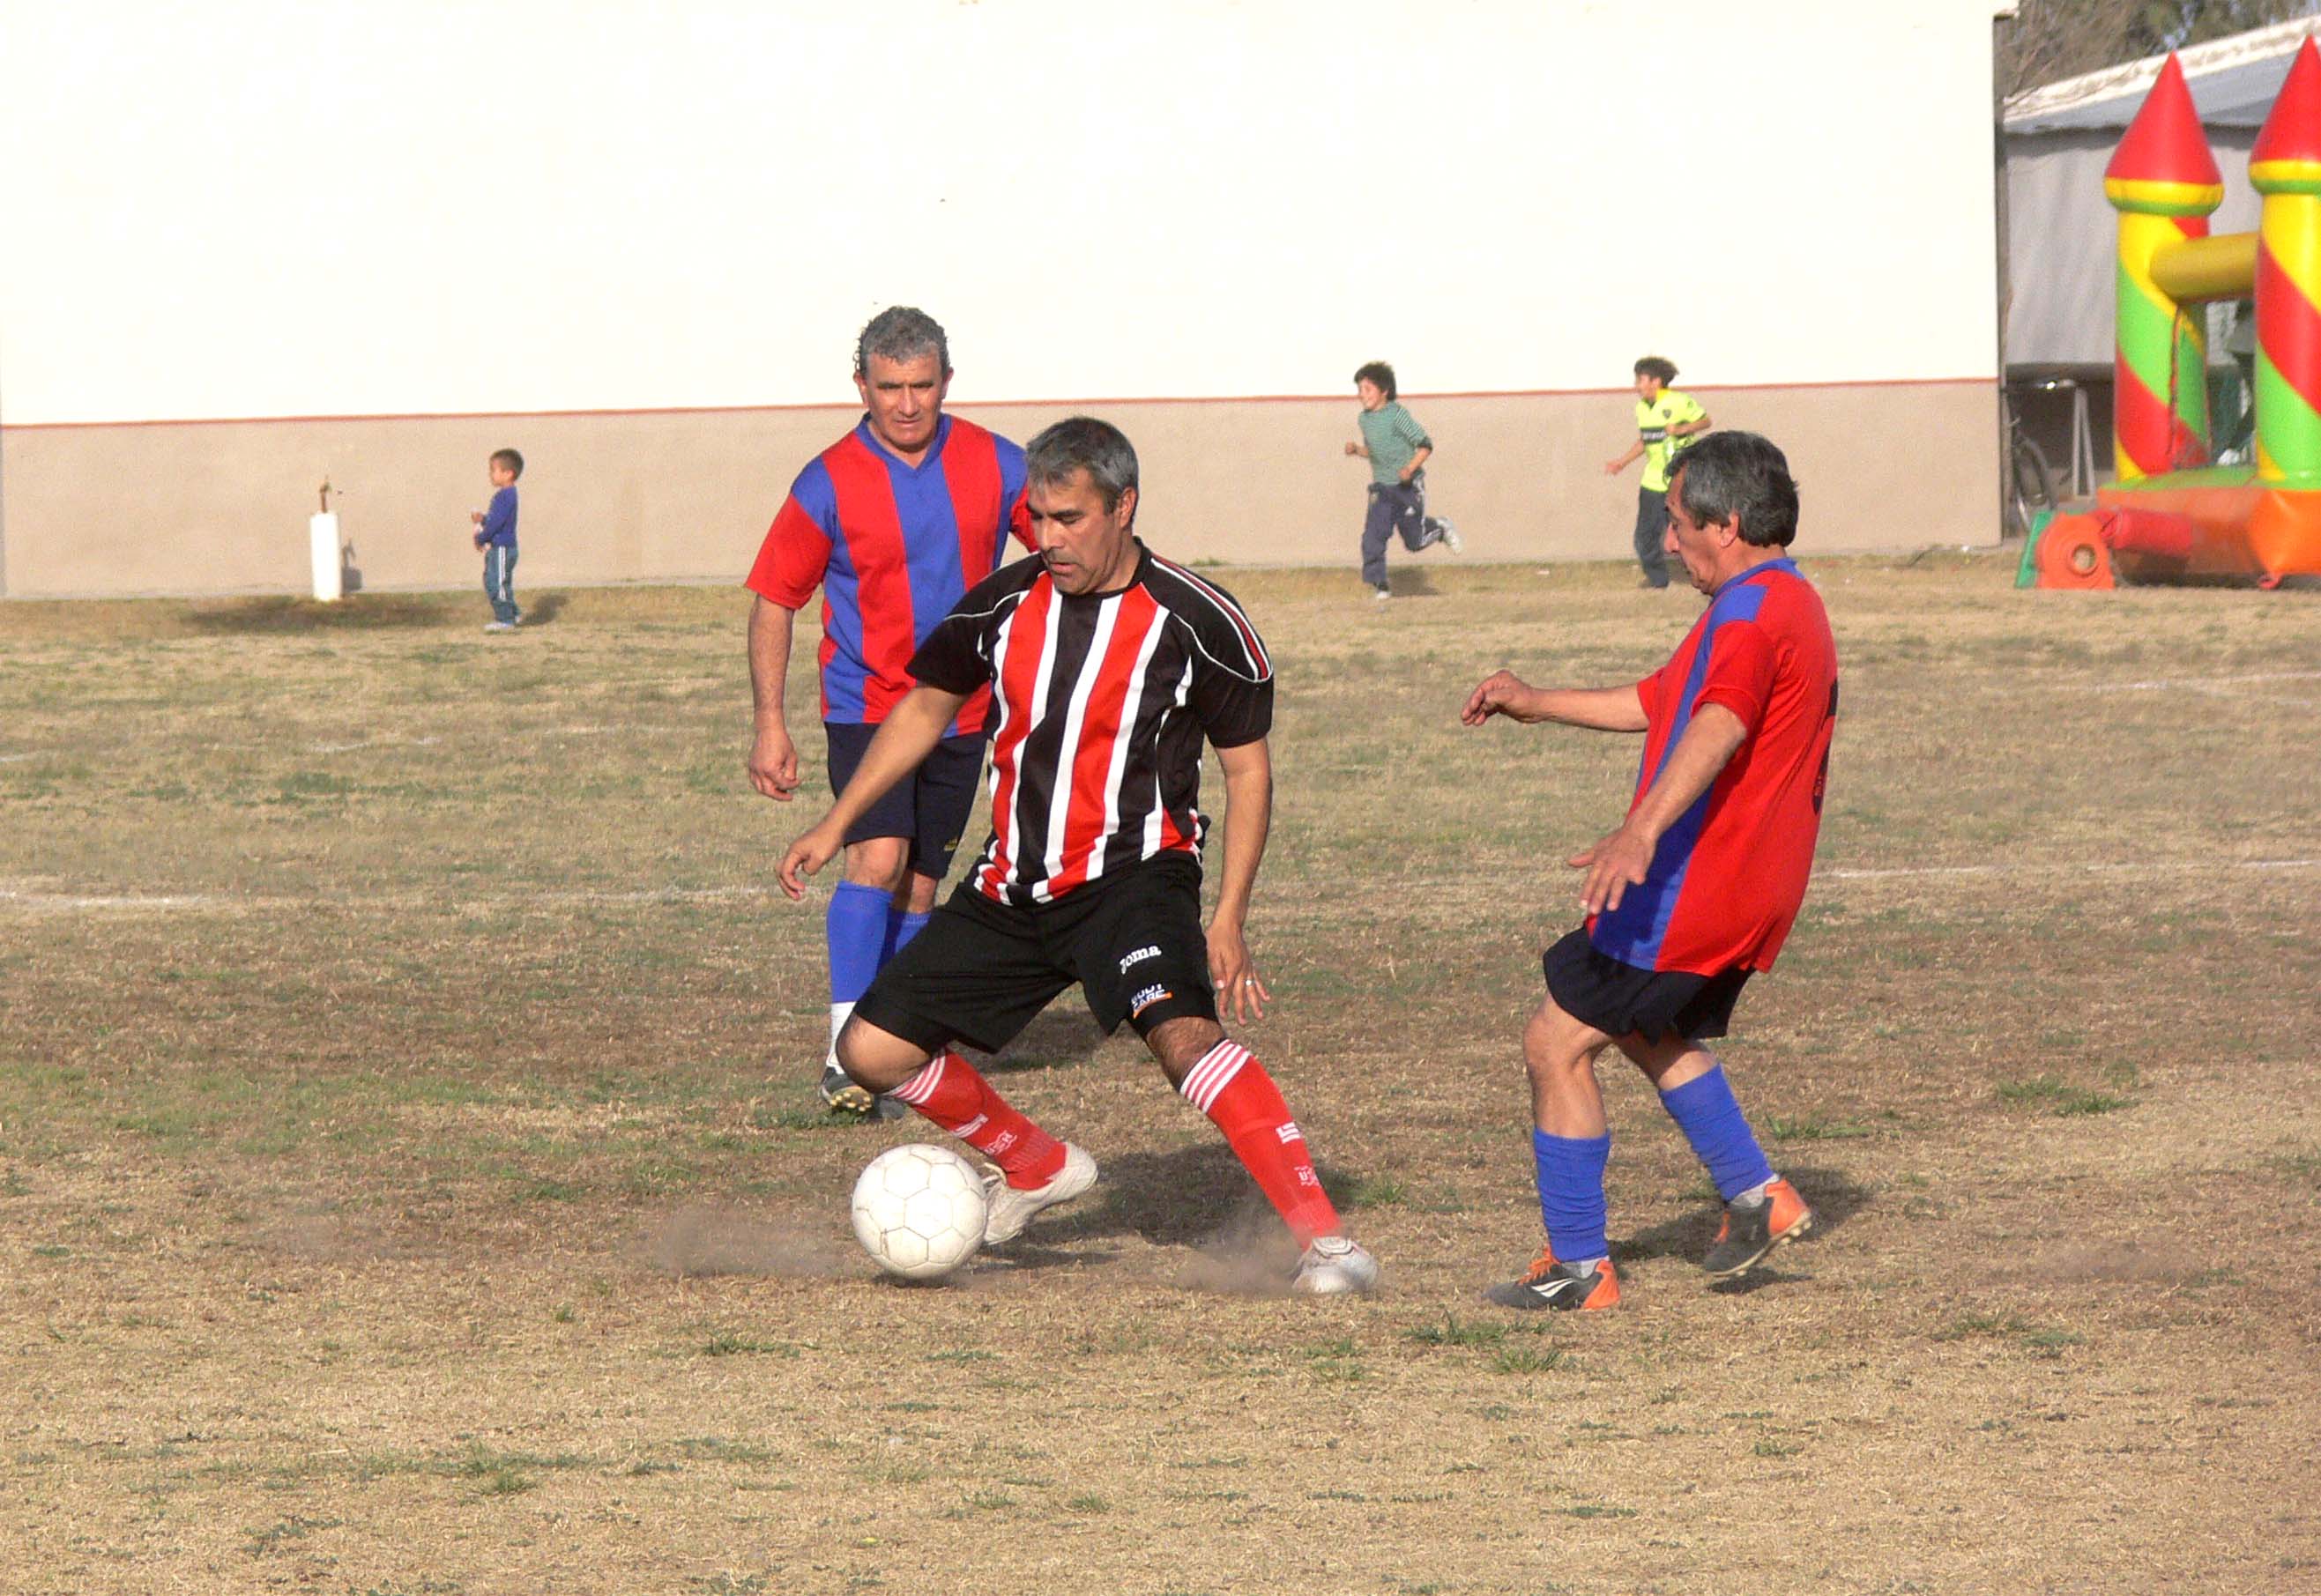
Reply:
x=1548, y=1284
x=840, y=1096
x=1751, y=1230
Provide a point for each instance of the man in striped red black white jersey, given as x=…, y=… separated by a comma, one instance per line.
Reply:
x=1110, y=667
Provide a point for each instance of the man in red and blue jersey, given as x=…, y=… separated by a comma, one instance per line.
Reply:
x=1697, y=889
x=894, y=522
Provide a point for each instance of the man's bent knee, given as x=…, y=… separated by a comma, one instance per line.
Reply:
x=878, y=1060
x=1178, y=1044
x=1556, y=1042
x=878, y=861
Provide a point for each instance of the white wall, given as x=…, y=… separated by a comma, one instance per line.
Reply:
x=245, y=209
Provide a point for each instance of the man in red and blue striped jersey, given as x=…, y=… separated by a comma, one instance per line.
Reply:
x=1697, y=890
x=1113, y=666
x=894, y=522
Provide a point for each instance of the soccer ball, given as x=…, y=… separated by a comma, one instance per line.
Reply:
x=919, y=1211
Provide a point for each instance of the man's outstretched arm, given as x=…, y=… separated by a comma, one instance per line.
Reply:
x=1601, y=709
x=906, y=738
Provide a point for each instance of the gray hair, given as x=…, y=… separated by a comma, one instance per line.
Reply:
x=901, y=332
x=1083, y=443
x=1729, y=475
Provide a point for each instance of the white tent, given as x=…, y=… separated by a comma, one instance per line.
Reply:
x=2057, y=295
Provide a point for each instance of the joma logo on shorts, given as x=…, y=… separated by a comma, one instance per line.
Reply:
x=1138, y=958
x=1145, y=1000
x=1287, y=1131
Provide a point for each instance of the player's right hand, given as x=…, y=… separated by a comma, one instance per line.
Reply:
x=774, y=765
x=1612, y=468
x=1614, y=863
x=806, y=857
x=1492, y=696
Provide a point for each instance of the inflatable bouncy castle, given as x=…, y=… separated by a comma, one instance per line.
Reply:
x=2173, y=515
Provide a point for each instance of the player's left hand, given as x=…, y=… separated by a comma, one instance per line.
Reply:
x=1494, y=694
x=807, y=856
x=1233, y=971
x=1614, y=864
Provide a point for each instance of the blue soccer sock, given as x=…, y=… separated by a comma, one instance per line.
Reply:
x=856, y=928
x=1711, y=1118
x=1571, y=1193
x=900, y=929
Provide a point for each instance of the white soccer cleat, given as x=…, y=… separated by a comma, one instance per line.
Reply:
x=1450, y=538
x=1333, y=1264
x=1011, y=1208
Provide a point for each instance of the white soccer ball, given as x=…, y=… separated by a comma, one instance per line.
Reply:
x=919, y=1211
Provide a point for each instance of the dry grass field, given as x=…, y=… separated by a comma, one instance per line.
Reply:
x=409, y=1183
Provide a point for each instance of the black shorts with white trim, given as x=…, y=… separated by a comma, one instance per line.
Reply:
x=980, y=971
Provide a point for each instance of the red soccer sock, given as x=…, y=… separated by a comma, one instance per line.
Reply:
x=950, y=1092
x=1232, y=1088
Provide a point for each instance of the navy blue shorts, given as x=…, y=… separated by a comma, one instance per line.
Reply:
x=1132, y=943
x=929, y=809
x=1621, y=1000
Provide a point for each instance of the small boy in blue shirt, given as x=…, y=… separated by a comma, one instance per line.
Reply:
x=495, y=536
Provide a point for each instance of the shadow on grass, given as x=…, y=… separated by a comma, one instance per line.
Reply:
x=1193, y=1196
x=286, y=615
x=1063, y=1035
x=1834, y=1196
x=542, y=609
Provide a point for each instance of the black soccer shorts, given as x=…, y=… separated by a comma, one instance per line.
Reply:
x=929, y=808
x=1621, y=1000
x=980, y=971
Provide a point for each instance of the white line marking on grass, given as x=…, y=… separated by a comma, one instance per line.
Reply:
x=16, y=758
x=83, y=903
x=38, y=903
x=2128, y=867
x=666, y=894
x=2205, y=684
x=372, y=742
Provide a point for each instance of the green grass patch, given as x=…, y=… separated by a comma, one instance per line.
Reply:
x=1527, y=1360
x=1812, y=1128
x=726, y=1343
x=1452, y=1333
x=2060, y=1097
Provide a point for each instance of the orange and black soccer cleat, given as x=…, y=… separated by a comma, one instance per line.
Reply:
x=1550, y=1284
x=1752, y=1230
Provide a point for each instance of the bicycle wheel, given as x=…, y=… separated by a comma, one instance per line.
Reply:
x=2031, y=486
